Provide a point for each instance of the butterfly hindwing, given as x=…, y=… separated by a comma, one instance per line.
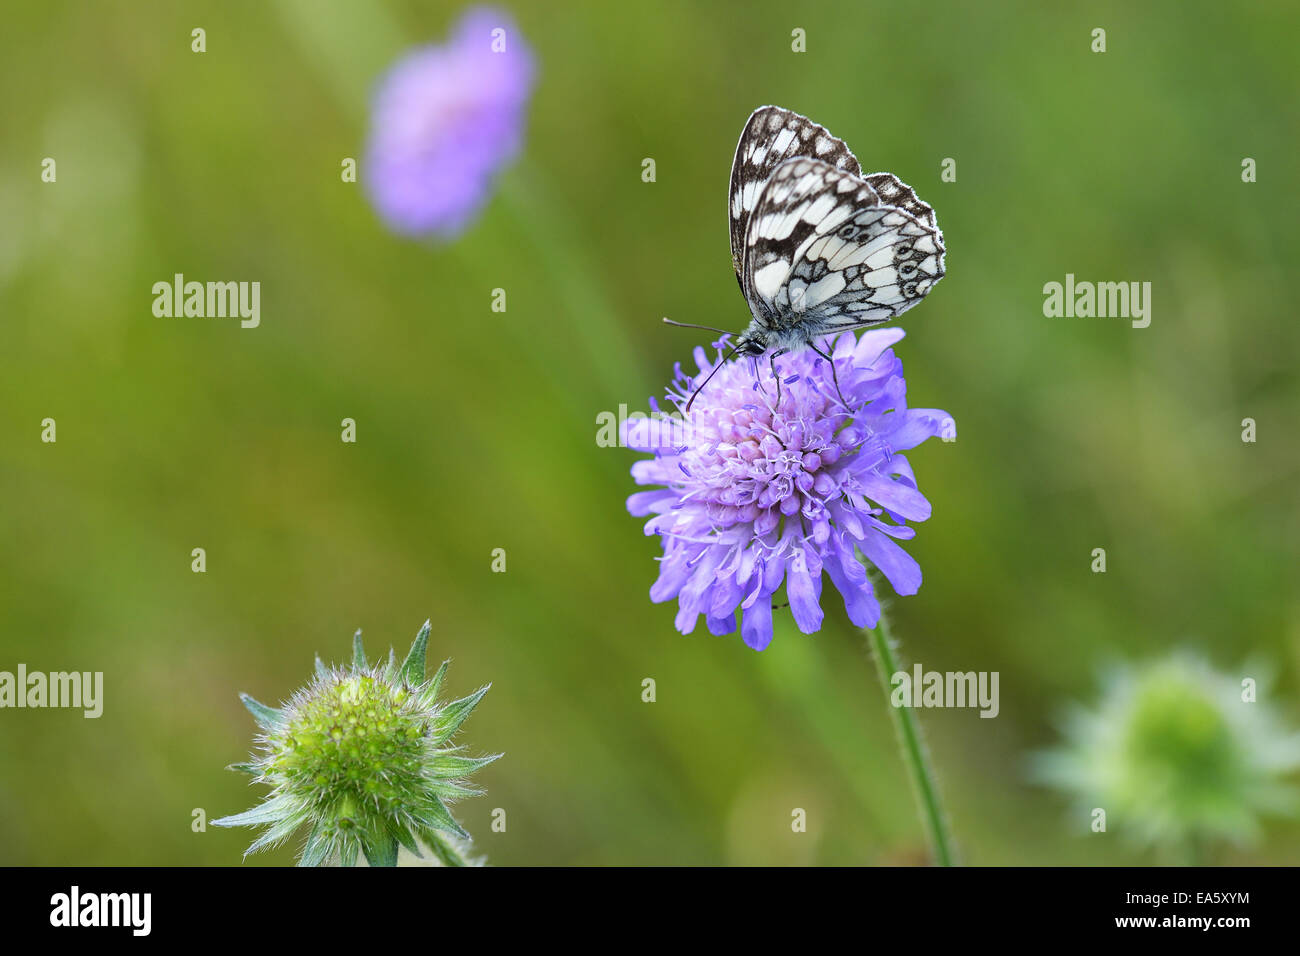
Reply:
x=827, y=249
x=894, y=192
x=772, y=136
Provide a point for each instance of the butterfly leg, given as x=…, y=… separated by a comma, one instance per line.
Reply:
x=834, y=377
x=775, y=377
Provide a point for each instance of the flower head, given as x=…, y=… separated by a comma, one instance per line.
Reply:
x=446, y=119
x=759, y=492
x=1177, y=753
x=362, y=756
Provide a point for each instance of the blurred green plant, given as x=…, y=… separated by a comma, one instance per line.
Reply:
x=1179, y=756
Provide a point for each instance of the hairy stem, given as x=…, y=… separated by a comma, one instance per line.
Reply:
x=915, y=756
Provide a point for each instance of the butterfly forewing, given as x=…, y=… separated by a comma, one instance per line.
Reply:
x=772, y=136
x=827, y=249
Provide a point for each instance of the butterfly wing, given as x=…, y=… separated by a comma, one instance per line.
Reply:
x=771, y=136
x=826, y=252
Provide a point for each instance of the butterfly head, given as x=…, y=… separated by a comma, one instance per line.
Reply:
x=753, y=341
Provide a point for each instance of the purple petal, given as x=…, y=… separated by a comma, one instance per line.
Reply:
x=873, y=344
x=914, y=426
x=652, y=471
x=721, y=625
x=804, y=593
x=673, y=576
x=897, y=565
x=850, y=579
x=756, y=623
x=643, y=502
x=896, y=496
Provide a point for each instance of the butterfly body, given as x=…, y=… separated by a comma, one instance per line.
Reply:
x=818, y=247
x=780, y=336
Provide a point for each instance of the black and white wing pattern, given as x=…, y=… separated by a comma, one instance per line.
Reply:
x=772, y=136
x=827, y=249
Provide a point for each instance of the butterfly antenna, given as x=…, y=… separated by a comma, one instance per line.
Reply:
x=726, y=358
x=684, y=325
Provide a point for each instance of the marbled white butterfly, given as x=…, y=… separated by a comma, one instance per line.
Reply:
x=818, y=247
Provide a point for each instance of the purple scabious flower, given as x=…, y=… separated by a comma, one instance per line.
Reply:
x=445, y=120
x=758, y=493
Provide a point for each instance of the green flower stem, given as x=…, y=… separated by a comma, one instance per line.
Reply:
x=913, y=749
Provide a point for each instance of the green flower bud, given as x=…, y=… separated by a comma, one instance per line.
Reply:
x=1178, y=756
x=362, y=758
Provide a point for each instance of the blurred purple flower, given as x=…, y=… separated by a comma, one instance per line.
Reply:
x=445, y=120
x=759, y=493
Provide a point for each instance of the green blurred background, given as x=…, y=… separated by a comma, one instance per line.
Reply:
x=477, y=430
